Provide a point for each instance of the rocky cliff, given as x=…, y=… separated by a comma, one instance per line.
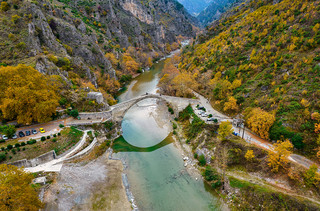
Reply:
x=57, y=37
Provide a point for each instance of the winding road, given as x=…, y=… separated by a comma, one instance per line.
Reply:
x=250, y=137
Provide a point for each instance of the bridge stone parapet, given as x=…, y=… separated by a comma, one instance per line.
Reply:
x=117, y=111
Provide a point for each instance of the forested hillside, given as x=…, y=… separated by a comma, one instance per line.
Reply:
x=263, y=61
x=91, y=44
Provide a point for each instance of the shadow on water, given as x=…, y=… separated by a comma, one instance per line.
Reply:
x=121, y=145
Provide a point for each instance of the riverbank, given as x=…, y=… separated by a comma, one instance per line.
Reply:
x=96, y=185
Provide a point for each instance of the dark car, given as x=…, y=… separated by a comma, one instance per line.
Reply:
x=34, y=131
x=21, y=134
x=28, y=133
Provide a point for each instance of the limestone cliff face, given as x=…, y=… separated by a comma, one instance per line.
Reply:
x=78, y=33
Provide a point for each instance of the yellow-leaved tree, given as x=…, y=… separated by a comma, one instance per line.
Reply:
x=16, y=192
x=231, y=105
x=279, y=156
x=225, y=129
x=260, y=121
x=26, y=95
x=249, y=156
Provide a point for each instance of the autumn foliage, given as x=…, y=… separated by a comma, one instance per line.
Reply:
x=225, y=129
x=16, y=192
x=26, y=95
x=278, y=158
x=260, y=122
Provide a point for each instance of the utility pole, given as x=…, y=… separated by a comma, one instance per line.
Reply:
x=243, y=128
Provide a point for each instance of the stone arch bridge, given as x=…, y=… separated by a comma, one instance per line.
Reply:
x=117, y=112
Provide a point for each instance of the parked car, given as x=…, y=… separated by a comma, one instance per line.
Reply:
x=21, y=134
x=42, y=130
x=204, y=115
x=200, y=107
x=34, y=131
x=4, y=137
x=201, y=112
x=14, y=136
x=212, y=119
x=28, y=133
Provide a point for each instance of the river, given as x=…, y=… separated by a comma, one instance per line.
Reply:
x=158, y=180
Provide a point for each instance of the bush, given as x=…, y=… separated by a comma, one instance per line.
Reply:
x=9, y=146
x=43, y=138
x=211, y=174
x=297, y=141
x=2, y=157
x=23, y=144
x=202, y=160
x=13, y=151
x=195, y=155
x=174, y=125
x=48, y=137
x=2, y=141
x=54, y=135
x=108, y=125
x=170, y=110
x=61, y=125
x=74, y=113
x=54, y=139
x=17, y=145
x=5, y=6
x=31, y=141
x=59, y=134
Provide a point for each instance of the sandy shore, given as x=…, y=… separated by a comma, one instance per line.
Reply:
x=96, y=185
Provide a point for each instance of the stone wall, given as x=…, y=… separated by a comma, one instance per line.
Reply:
x=46, y=157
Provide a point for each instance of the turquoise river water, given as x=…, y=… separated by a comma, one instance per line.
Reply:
x=158, y=180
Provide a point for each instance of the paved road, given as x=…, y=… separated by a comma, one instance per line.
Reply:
x=249, y=136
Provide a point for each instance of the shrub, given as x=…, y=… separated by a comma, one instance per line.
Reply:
x=2, y=141
x=48, y=137
x=2, y=157
x=174, y=125
x=15, y=18
x=211, y=175
x=297, y=141
x=170, y=110
x=23, y=144
x=31, y=141
x=9, y=146
x=5, y=6
x=54, y=139
x=43, y=138
x=2, y=149
x=202, y=160
x=108, y=125
x=17, y=145
x=23, y=149
x=59, y=134
x=61, y=125
x=13, y=151
x=195, y=155
x=74, y=113
x=54, y=135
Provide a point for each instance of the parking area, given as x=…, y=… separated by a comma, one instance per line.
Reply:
x=33, y=131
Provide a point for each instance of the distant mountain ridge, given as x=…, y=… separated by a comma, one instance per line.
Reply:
x=195, y=7
x=214, y=10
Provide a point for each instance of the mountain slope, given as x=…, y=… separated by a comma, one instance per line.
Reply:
x=264, y=59
x=70, y=38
